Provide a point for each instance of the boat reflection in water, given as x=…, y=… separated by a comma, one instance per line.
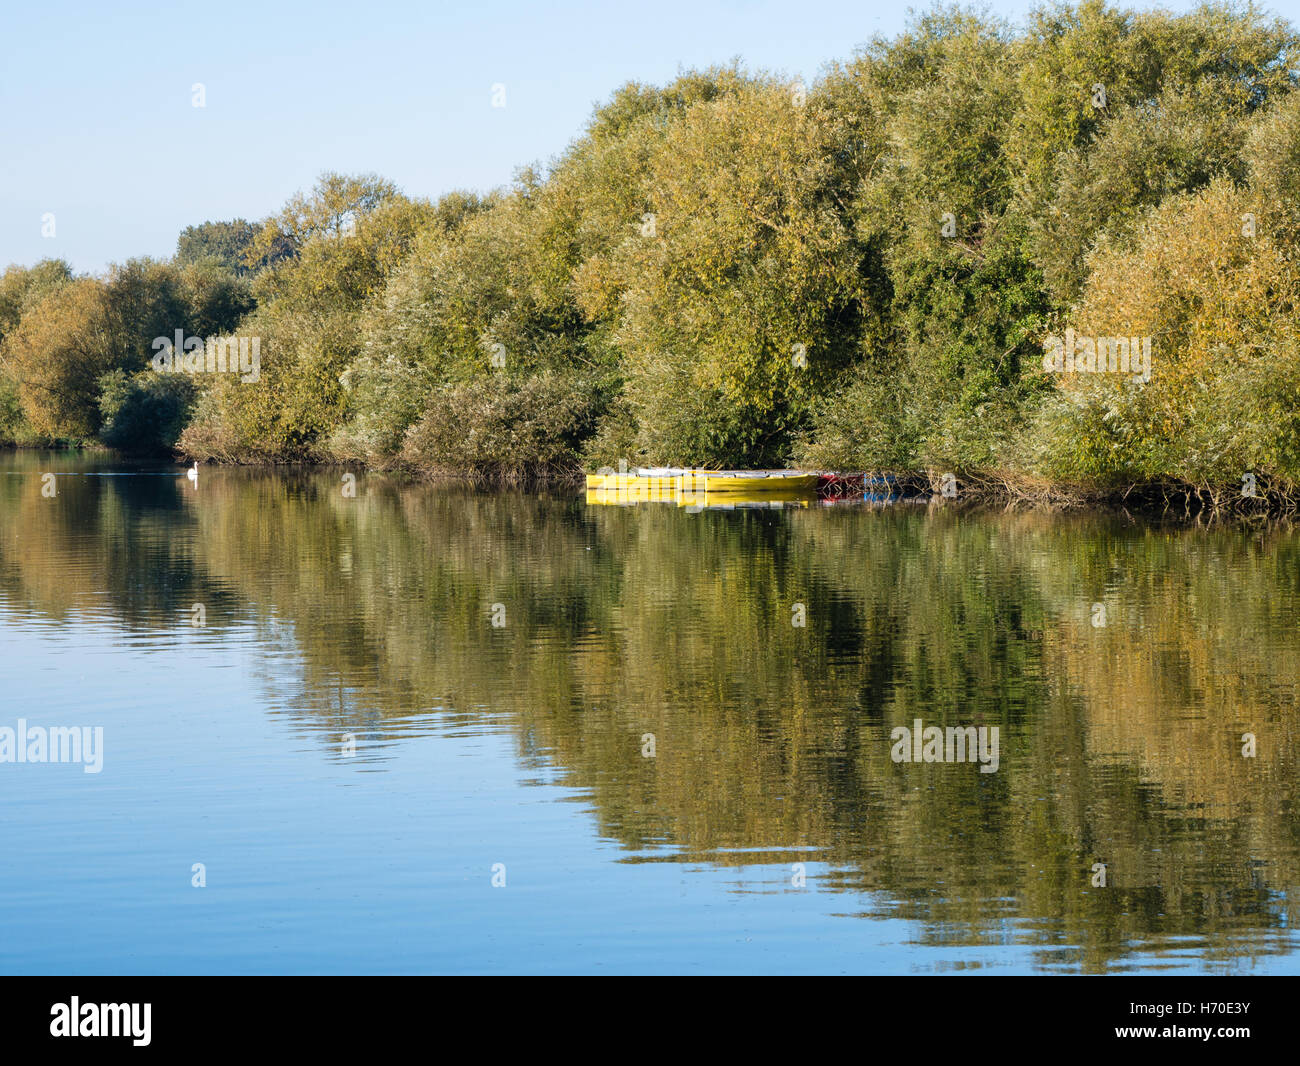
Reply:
x=725, y=501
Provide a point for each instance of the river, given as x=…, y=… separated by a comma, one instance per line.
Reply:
x=428, y=728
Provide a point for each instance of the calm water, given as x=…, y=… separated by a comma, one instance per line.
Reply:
x=230, y=638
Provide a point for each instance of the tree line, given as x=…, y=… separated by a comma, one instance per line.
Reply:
x=740, y=270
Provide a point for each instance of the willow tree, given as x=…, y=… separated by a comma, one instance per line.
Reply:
x=741, y=286
x=339, y=245
x=57, y=354
x=1215, y=291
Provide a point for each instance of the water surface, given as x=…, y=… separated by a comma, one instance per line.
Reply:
x=306, y=693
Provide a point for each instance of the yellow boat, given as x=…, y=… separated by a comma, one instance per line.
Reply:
x=748, y=481
x=668, y=484
x=641, y=478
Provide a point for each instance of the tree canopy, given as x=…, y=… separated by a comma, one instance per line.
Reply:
x=739, y=269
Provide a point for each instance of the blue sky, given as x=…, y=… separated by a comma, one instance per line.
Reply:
x=99, y=129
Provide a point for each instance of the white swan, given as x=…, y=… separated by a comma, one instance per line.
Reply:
x=193, y=473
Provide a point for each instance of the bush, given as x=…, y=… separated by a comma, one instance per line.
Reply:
x=504, y=429
x=13, y=427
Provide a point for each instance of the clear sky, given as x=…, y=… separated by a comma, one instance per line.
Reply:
x=98, y=127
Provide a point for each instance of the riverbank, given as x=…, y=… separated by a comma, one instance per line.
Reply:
x=1252, y=499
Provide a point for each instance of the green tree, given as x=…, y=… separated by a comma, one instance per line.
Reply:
x=61, y=348
x=222, y=242
x=347, y=237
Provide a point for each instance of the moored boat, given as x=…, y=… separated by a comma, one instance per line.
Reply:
x=748, y=481
x=639, y=478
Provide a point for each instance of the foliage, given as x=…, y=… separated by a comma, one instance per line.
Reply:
x=143, y=413
x=346, y=238
x=505, y=428
x=737, y=269
x=224, y=243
